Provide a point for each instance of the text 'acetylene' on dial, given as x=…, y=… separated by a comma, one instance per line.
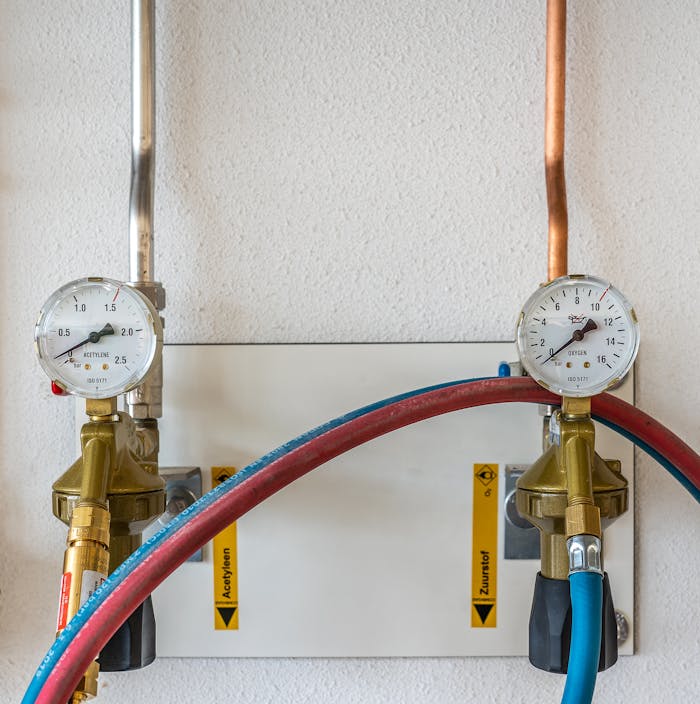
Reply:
x=97, y=337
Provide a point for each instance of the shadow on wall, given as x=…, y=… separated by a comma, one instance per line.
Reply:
x=585, y=47
x=599, y=145
x=198, y=139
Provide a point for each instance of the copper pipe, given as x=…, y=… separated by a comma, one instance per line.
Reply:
x=555, y=90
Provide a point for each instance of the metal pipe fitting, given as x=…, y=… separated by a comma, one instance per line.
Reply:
x=146, y=400
x=585, y=554
x=582, y=515
x=96, y=461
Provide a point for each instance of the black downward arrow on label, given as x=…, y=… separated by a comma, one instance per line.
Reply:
x=226, y=614
x=482, y=609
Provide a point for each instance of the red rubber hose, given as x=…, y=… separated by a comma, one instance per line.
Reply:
x=644, y=427
x=199, y=530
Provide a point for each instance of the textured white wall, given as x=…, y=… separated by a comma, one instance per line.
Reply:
x=351, y=171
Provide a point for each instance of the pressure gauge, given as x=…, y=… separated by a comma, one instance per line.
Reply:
x=577, y=336
x=98, y=338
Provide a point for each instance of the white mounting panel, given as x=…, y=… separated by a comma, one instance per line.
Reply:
x=369, y=555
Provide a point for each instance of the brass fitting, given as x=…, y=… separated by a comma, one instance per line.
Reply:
x=89, y=527
x=570, y=490
x=583, y=519
x=101, y=409
x=85, y=566
x=576, y=453
x=578, y=448
x=134, y=491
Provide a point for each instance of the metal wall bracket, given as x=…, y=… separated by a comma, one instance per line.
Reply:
x=521, y=539
x=183, y=486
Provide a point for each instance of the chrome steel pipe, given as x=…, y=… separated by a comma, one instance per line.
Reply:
x=145, y=401
x=142, y=141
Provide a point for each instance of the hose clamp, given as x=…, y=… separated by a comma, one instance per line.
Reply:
x=585, y=554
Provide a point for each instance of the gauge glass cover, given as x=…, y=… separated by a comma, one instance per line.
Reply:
x=97, y=337
x=578, y=336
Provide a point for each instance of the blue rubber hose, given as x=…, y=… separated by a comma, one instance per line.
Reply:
x=586, y=627
x=668, y=466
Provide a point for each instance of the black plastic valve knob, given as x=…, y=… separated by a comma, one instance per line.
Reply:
x=133, y=646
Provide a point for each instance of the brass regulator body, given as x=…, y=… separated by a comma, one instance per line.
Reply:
x=570, y=490
x=135, y=493
x=107, y=497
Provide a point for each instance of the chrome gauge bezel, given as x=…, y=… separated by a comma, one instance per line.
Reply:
x=150, y=341
x=543, y=300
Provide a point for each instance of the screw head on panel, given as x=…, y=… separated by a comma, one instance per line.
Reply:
x=623, y=627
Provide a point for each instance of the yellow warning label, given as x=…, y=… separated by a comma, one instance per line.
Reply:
x=484, y=546
x=225, y=566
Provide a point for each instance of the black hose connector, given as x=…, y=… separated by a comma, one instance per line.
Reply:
x=550, y=626
x=133, y=646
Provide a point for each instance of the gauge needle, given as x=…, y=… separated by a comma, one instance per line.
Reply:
x=576, y=337
x=92, y=337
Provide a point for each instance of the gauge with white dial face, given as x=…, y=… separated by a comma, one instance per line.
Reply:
x=97, y=338
x=577, y=336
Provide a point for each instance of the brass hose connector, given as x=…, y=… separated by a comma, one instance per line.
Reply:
x=85, y=567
